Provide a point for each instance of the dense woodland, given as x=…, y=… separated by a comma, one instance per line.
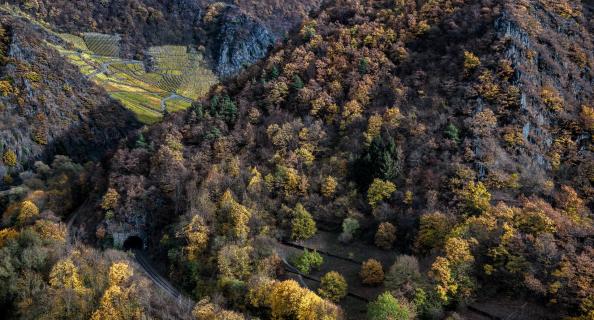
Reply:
x=454, y=136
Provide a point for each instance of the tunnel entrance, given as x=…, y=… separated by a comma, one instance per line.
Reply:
x=133, y=243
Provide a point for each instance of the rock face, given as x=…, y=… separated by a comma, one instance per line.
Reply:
x=47, y=108
x=240, y=41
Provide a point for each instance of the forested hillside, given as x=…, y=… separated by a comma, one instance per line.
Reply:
x=235, y=34
x=389, y=159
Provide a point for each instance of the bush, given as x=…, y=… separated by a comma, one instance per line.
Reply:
x=303, y=225
x=386, y=307
x=333, y=286
x=385, y=236
x=307, y=260
x=372, y=272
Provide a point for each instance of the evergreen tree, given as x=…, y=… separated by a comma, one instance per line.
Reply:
x=381, y=161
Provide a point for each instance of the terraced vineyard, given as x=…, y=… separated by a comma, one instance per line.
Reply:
x=173, y=78
x=103, y=44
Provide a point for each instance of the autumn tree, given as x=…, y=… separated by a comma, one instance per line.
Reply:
x=372, y=272
x=303, y=225
x=27, y=212
x=476, y=198
x=118, y=301
x=433, y=230
x=385, y=235
x=288, y=300
x=64, y=274
x=9, y=158
x=451, y=273
x=471, y=61
x=206, y=310
x=379, y=190
x=236, y=215
x=328, y=188
x=333, y=286
x=235, y=261
x=196, y=234
x=110, y=199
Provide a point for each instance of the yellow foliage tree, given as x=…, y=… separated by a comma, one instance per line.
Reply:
x=374, y=127
x=119, y=273
x=329, y=187
x=234, y=261
x=196, y=233
x=205, y=310
x=379, y=190
x=471, y=61
x=117, y=304
x=28, y=211
x=64, y=274
x=110, y=199
x=7, y=234
x=288, y=300
x=333, y=286
x=303, y=224
x=238, y=216
x=50, y=230
x=9, y=158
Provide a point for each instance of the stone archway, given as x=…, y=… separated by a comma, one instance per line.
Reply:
x=133, y=243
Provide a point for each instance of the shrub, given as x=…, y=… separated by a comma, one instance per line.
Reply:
x=333, y=286
x=308, y=260
x=9, y=158
x=303, y=225
x=379, y=191
x=372, y=272
x=385, y=236
x=386, y=307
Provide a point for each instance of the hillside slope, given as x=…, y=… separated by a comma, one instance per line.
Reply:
x=234, y=33
x=465, y=124
x=47, y=107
